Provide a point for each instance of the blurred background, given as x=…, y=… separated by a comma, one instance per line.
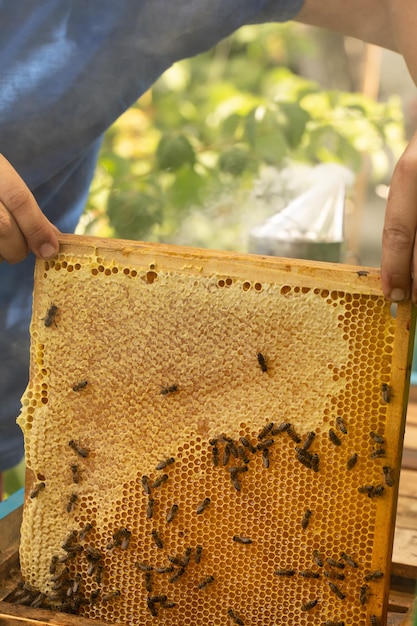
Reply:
x=222, y=140
x=225, y=140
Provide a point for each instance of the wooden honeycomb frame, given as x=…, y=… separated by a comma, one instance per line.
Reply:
x=152, y=353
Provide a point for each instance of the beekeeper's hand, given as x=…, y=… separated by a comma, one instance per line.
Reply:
x=399, y=249
x=23, y=226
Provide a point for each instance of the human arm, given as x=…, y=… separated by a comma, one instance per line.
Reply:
x=391, y=24
x=23, y=226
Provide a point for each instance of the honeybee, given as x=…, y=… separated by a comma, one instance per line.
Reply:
x=180, y=571
x=207, y=581
x=265, y=430
x=198, y=553
x=53, y=564
x=265, y=444
x=280, y=428
x=360, y=273
x=172, y=513
x=237, y=620
x=389, y=481
x=157, y=539
x=175, y=560
x=76, y=584
x=78, y=449
x=378, y=453
x=315, y=460
x=165, y=462
x=126, y=535
x=144, y=567
x=244, y=540
x=334, y=563
x=37, y=489
x=376, y=437
x=93, y=555
x=307, y=606
x=150, y=508
x=349, y=560
x=63, y=574
x=364, y=594
x=265, y=458
x=284, y=572
x=317, y=558
x=170, y=389
x=366, y=489
x=306, y=519
x=99, y=573
x=145, y=484
x=50, y=315
x=215, y=455
x=226, y=454
x=308, y=440
x=160, y=481
x=245, y=442
x=93, y=596
x=202, y=506
x=75, y=474
x=304, y=457
x=235, y=482
x=233, y=449
x=340, y=424
x=338, y=592
x=376, y=575
x=333, y=623
x=148, y=582
x=386, y=393
x=71, y=502
x=187, y=556
x=308, y=573
x=262, y=362
x=334, y=575
x=242, y=454
x=168, y=604
x=37, y=602
x=111, y=595
x=92, y=568
x=84, y=531
x=81, y=385
x=151, y=606
x=292, y=434
x=378, y=490
x=122, y=538
x=375, y=621
x=167, y=569
x=334, y=438
x=352, y=460
x=239, y=469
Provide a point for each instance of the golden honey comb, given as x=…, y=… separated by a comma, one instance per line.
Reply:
x=157, y=489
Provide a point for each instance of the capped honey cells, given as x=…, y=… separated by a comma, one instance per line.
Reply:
x=210, y=438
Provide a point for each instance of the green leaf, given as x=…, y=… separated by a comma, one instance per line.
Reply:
x=293, y=119
x=132, y=213
x=174, y=151
x=235, y=160
x=187, y=189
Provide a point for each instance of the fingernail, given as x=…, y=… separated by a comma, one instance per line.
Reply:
x=397, y=295
x=47, y=250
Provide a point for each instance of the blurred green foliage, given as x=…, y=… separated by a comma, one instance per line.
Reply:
x=202, y=136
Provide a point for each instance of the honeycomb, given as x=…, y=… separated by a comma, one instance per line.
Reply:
x=211, y=438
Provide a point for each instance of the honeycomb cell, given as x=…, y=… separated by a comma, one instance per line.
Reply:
x=173, y=371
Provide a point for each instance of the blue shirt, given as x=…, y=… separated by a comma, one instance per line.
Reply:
x=68, y=70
